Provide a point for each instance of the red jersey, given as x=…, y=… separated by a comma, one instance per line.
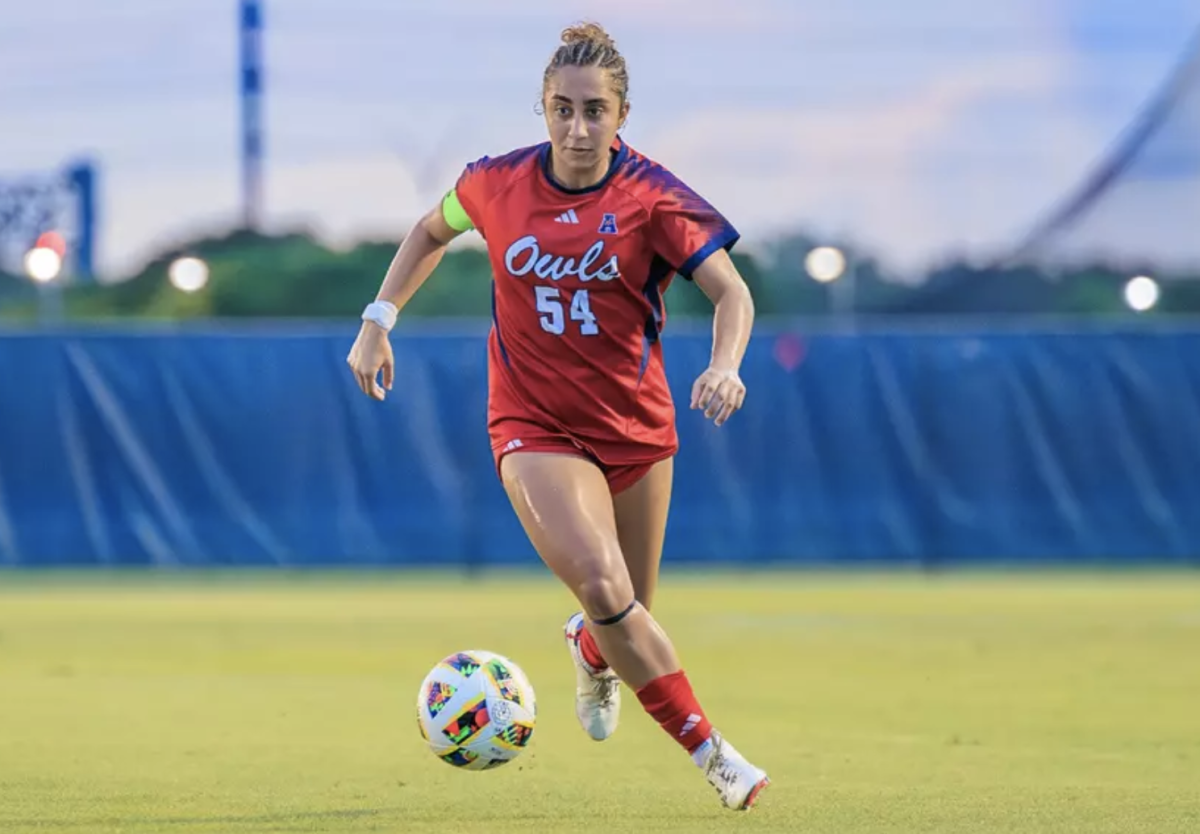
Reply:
x=577, y=295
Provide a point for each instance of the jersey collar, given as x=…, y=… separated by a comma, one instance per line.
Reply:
x=620, y=153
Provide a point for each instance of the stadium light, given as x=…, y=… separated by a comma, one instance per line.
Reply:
x=825, y=264
x=188, y=274
x=42, y=264
x=1142, y=293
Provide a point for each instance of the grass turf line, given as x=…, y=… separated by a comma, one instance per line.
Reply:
x=878, y=703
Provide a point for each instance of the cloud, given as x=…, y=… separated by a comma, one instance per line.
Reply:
x=917, y=127
x=719, y=15
x=923, y=171
x=339, y=199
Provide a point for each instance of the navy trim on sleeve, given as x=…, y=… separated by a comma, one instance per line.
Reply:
x=725, y=239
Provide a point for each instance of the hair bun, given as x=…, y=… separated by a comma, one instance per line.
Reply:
x=588, y=33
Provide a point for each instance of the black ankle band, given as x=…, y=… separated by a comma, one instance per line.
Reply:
x=607, y=621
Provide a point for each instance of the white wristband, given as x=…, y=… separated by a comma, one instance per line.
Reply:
x=382, y=313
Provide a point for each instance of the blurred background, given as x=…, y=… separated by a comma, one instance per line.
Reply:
x=971, y=231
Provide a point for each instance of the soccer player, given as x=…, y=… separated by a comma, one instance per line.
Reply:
x=584, y=234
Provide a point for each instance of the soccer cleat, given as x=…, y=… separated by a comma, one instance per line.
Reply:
x=597, y=694
x=737, y=781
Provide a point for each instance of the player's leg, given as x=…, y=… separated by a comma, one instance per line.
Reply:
x=641, y=501
x=641, y=510
x=566, y=508
x=597, y=687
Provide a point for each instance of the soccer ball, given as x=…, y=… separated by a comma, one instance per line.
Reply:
x=476, y=710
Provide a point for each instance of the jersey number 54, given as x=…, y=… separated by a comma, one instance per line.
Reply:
x=554, y=315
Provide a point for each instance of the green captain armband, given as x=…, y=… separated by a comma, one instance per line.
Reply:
x=456, y=216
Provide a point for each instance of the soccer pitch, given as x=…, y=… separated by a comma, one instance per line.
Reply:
x=877, y=703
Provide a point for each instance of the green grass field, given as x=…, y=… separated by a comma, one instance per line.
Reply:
x=1023, y=703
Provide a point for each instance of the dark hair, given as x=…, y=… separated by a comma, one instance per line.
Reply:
x=588, y=45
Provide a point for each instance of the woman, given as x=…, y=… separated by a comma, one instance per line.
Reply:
x=584, y=234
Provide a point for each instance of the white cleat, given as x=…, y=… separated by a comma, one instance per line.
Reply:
x=737, y=781
x=597, y=694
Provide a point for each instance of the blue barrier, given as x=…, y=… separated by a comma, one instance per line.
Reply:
x=251, y=445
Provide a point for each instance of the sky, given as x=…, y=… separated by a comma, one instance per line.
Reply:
x=918, y=130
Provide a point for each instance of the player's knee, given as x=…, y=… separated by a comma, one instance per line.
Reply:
x=604, y=594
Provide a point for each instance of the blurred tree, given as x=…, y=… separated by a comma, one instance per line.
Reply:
x=294, y=275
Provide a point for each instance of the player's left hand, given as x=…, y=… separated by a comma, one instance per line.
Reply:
x=720, y=392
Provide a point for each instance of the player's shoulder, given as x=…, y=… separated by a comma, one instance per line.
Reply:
x=508, y=162
x=648, y=180
x=490, y=177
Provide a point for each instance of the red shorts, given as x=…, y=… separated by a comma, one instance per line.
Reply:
x=511, y=435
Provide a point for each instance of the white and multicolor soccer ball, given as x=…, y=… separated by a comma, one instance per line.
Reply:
x=476, y=710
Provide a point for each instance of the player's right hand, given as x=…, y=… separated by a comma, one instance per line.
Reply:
x=372, y=353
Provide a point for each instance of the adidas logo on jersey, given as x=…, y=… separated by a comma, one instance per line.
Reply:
x=568, y=217
x=526, y=256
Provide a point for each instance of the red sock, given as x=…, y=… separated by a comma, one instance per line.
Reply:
x=670, y=701
x=591, y=652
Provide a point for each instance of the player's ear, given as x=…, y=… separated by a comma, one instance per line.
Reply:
x=624, y=115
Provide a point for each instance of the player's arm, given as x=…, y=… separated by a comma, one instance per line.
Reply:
x=422, y=250
x=688, y=232
x=733, y=309
x=415, y=260
x=719, y=390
